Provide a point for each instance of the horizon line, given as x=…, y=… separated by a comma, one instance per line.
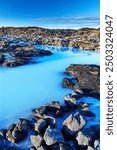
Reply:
x=28, y=26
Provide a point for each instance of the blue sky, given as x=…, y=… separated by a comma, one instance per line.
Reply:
x=50, y=13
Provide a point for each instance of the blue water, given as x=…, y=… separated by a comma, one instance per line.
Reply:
x=26, y=87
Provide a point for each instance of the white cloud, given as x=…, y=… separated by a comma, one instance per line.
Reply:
x=69, y=18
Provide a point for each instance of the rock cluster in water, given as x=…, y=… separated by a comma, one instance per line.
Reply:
x=19, y=55
x=45, y=130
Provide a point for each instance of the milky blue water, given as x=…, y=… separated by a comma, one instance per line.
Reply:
x=26, y=87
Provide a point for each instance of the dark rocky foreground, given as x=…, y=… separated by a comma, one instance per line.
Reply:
x=85, y=38
x=60, y=127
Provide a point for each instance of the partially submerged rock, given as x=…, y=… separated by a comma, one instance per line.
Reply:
x=36, y=140
x=71, y=126
x=67, y=83
x=16, y=57
x=88, y=138
x=15, y=62
x=40, y=126
x=88, y=79
x=87, y=113
x=70, y=101
x=17, y=132
x=83, y=139
x=53, y=106
x=52, y=136
x=39, y=113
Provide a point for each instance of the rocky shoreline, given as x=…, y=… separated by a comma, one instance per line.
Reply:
x=45, y=130
x=85, y=38
x=17, y=44
x=85, y=79
x=12, y=57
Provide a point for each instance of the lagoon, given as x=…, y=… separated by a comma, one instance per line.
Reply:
x=26, y=87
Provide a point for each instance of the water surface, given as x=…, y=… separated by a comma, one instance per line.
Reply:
x=25, y=87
